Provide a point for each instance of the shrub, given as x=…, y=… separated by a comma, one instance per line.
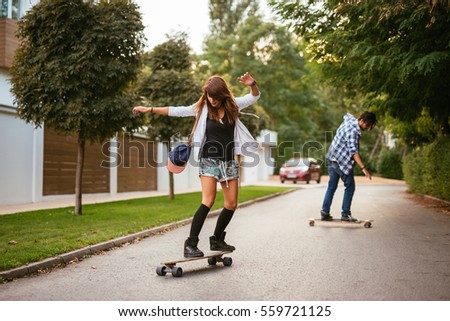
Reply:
x=389, y=164
x=427, y=170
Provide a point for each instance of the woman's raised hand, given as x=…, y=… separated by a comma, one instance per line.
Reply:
x=246, y=79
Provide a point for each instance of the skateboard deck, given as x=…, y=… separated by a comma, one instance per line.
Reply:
x=212, y=257
x=366, y=223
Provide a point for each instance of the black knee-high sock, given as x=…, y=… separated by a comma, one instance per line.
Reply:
x=222, y=222
x=198, y=220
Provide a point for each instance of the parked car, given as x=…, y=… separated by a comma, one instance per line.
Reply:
x=300, y=169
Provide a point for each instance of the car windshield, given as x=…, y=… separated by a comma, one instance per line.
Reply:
x=297, y=162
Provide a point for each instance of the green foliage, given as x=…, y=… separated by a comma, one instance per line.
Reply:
x=395, y=52
x=46, y=233
x=73, y=66
x=427, y=170
x=415, y=171
x=389, y=164
x=169, y=83
x=174, y=54
x=226, y=15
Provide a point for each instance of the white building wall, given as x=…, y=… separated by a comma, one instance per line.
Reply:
x=114, y=169
x=6, y=98
x=261, y=166
x=21, y=160
x=21, y=147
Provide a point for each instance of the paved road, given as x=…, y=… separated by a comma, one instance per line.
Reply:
x=404, y=256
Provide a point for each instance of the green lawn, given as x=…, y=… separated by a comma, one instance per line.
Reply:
x=32, y=236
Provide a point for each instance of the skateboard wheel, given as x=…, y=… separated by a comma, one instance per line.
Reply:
x=161, y=270
x=367, y=225
x=177, y=271
x=212, y=261
x=227, y=261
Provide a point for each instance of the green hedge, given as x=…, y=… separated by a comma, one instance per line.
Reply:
x=427, y=170
x=389, y=164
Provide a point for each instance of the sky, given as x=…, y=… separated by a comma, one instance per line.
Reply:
x=161, y=17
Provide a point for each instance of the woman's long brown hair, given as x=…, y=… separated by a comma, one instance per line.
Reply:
x=217, y=88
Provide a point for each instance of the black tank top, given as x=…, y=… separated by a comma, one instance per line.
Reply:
x=219, y=142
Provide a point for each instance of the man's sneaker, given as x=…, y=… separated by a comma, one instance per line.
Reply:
x=326, y=216
x=348, y=218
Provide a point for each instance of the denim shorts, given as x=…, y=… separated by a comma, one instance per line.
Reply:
x=220, y=170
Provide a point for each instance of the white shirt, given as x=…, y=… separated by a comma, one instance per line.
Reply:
x=244, y=143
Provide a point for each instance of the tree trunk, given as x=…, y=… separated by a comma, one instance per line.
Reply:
x=405, y=152
x=375, y=147
x=171, y=187
x=79, y=177
x=171, y=183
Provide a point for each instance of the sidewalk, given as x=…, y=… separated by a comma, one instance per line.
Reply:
x=69, y=200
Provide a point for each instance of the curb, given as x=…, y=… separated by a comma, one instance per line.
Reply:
x=434, y=198
x=66, y=258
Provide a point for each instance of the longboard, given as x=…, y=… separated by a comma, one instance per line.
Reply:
x=212, y=257
x=366, y=223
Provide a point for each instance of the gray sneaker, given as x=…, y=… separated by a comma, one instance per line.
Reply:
x=326, y=216
x=348, y=218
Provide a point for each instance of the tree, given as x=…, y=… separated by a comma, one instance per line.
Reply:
x=72, y=69
x=396, y=53
x=169, y=82
x=226, y=15
x=225, y=18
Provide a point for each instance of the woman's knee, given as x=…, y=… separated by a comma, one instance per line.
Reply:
x=232, y=206
x=209, y=202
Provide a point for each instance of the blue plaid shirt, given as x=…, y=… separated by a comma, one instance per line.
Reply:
x=345, y=144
